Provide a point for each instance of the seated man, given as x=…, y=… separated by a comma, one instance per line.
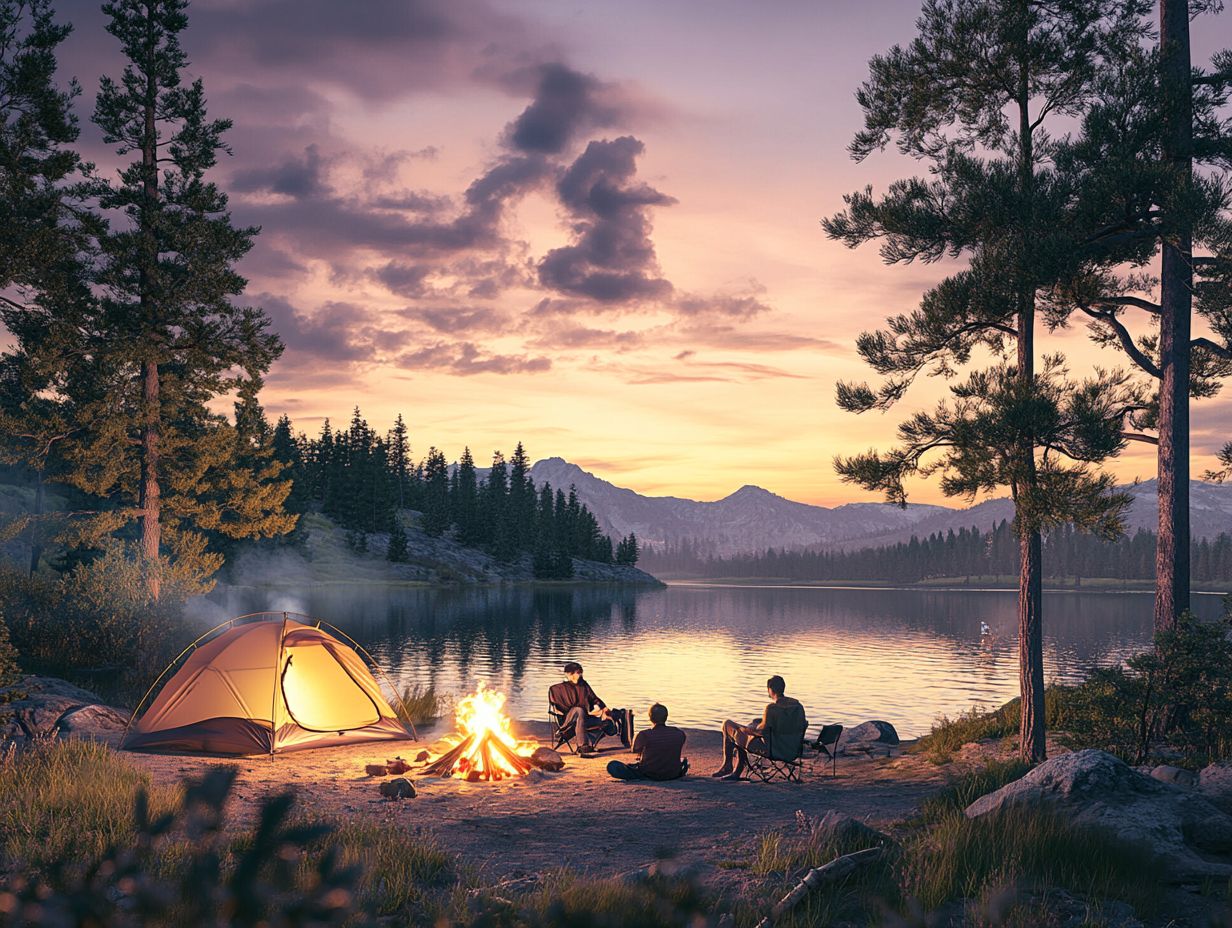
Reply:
x=582, y=708
x=658, y=751
x=738, y=740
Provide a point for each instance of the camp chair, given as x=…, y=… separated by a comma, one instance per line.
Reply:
x=563, y=734
x=827, y=745
x=782, y=757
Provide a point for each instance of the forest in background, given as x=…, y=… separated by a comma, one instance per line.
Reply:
x=1068, y=555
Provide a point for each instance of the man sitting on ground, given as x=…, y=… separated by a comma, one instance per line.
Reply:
x=738, y=740
x=658, y=751
x=582, y=709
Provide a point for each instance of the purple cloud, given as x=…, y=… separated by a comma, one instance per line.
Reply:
x=465, y=359
x=612, y=259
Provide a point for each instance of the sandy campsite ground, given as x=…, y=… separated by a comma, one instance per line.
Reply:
x=580, y=817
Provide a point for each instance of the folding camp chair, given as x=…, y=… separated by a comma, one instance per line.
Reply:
x=565, y=735
x=827, y=745
x=782, y=756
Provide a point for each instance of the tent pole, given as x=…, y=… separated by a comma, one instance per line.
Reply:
x=282, y=634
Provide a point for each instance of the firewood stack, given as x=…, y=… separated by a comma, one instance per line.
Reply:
x=488, y=759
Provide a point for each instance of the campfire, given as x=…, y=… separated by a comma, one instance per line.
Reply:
x=488, y=749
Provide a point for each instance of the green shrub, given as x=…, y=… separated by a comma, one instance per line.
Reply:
x=1180, y=695
x=98, y=620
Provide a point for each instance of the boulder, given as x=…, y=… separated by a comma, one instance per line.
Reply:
x=1177, y=776
x=47, y=703
x=874, y=737
x=547, y=759
x=1092, y=788
x=400, y=788
x=1215, y=783
x=841, y=830
x=92, y=721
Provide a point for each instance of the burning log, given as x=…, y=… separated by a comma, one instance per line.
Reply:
x=489, y=750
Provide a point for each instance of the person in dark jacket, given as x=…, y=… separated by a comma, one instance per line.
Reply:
x=582, y=708
x=658, y=751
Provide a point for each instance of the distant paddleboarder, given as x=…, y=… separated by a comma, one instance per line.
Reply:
x=985, y=630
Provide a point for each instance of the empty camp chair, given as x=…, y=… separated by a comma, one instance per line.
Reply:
x=827, y=745
x=565, y=734
x=782, y=758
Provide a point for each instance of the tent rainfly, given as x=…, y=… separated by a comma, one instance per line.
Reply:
x=265, y=687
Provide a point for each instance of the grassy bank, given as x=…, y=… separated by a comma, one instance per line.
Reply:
x=66, y=806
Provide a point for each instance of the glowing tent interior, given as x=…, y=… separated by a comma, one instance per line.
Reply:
x=265, y=684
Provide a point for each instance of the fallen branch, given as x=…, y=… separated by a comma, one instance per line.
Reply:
x=832, y=872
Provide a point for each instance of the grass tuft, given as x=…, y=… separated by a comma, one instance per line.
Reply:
x=422, y=705
x=960, y=858
x=71, y=799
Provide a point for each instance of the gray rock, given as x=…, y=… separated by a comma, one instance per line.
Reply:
x=874, y=737
x=92, y=721
x=1215, y=783
x=547, y=759
x=839, y=828
x=400, y=788
x=1091, y=788
x=1177, y=776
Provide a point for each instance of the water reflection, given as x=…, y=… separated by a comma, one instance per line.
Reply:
x=849, y=654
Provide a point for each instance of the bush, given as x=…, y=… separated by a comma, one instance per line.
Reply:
x=948, y=735
x=1179, y=694
x=98, y=619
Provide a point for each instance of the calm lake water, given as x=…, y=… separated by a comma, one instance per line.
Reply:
x=906, y=656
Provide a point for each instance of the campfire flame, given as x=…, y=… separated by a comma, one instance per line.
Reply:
x=488, y=749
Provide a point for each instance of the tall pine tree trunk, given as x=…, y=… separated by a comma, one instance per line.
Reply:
x=151, y=413
x=1176, y=293
x=151, y=493
x=36, y=549
x=1031, y=744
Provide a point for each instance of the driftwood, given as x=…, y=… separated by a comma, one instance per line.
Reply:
x=832, y=872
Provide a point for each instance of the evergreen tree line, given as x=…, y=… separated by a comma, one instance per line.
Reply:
x=1067, y=555
x=361, y=479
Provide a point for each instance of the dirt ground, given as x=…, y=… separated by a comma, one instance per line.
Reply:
x=578, y=818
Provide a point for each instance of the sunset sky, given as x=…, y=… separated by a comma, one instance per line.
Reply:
x=592, y=227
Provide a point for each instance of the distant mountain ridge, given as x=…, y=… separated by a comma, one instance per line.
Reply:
x=753, y=519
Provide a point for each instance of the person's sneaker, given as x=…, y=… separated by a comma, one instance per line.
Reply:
x=587, y=750
x=722, y=772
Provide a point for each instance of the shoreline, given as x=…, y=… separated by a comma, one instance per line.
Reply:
x=937, y=587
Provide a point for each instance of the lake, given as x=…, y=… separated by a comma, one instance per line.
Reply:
x=903, y=655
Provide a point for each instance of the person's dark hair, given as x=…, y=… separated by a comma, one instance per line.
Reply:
x=573, y=667
x=658, y=713
x=776, y=685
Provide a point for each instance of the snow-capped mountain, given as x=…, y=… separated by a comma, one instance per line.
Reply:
x=753, y=519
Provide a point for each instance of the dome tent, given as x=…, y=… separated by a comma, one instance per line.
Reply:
x=265, y=684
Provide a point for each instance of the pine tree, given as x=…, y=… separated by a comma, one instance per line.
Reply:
x=399, y=460
x=466, y=501
x=972, y=95
x=1155, y=121
x=436, y=493
x=397, y=552
x=139, y=357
